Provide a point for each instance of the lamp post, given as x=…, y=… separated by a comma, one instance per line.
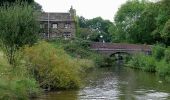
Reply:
x=101, y=36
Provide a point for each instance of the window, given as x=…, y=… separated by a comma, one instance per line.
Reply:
x=67, y=25
x=67, y=34
x=55, y=26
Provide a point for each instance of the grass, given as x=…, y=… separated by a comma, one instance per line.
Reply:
x=15, y=84
x=158, y=62
x=54, y=68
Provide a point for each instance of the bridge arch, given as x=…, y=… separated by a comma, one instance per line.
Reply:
x=120, y=55
x=113, y=54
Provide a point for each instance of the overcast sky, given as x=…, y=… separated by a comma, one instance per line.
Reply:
x=87, y=8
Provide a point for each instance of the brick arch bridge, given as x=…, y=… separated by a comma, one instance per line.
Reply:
x=114, y=48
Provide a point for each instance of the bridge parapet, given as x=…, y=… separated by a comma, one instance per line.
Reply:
x=111, y=48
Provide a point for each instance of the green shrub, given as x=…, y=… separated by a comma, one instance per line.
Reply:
x=52, y=67
x=136, y=61
x=18, y=27
x=18, y=89
x=85, y=64
x=163, y=68
x=150, y=64
x=143, y=62
x=16, y=84
x=158, y=51
x=167, y=55
x=79, y=49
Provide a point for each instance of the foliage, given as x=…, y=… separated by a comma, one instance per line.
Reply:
x=166, y=32
x=163, y=68
x=141, y=21
x=53, y=68
x=125, y=18
x=94, y=28
x=140, y=61
x=158, y=62
x=79, y=48
x=18, y=27
x=12, y=1
x=167, y=55
x=158, y=51
x=16, y=84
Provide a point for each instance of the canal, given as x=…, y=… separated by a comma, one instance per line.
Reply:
x=116, y=83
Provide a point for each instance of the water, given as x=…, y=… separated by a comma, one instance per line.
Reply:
x=116, y=83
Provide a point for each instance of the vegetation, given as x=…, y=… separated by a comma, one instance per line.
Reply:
x=80, y=48
x=27, y=64
x=53, y=68
x=13, y=1
x=145, y=22
x=92, y=29
x=16, y=84
x=141, y=21
x=158, y=62
x=18, y=27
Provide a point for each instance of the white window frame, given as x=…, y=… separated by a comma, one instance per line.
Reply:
x=55, y=25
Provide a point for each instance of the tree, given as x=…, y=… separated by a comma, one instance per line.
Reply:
x=18, y=27
x=162, y=20
x=96, y=27
x=13, y=1
x=37, y=7
x=114, y=33
x=166, y=32
x=126, y=17
x=142, y=30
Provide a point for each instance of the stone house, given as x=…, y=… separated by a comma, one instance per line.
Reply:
x=59, y=25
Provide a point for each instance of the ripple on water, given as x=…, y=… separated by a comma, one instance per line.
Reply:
x=151, y=95
x=107, y=90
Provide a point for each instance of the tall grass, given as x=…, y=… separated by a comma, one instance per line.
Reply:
x=143, y=62
x=53, y=67
x=158, y=62
x=16, y=84
x=80, y=49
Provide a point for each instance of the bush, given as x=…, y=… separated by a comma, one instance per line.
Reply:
x=159, y=62
x=167, y=55
x=18, y=26
x=16, y=84
x=150, y=64
x=18, y=89
x=158, y=51
x=136, y=61
x=163, y=68
x=53, y=68
x=79, y=49
x=85, y=64
x=143, y=62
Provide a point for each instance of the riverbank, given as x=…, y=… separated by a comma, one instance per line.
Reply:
x=116, y=83
x=16, y=83
x=46, y=66
x=158, y=62
x=80, y=49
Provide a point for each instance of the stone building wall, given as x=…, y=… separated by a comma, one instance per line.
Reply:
x=55, y=25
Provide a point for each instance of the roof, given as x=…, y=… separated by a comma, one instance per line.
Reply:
x=56, y=17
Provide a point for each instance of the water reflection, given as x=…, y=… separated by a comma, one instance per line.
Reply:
x=103, y=86
x=60, y=95
x=117, y=83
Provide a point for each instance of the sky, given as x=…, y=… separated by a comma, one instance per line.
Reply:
x=86, y=8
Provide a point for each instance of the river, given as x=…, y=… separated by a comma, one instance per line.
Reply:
x=116, y=83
